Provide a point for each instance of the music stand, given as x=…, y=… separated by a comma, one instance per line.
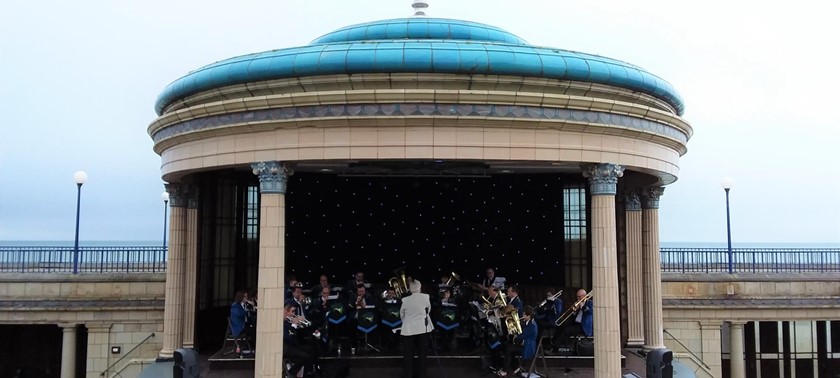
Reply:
x=366, y=323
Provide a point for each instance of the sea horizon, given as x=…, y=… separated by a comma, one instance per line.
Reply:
x=663, y=244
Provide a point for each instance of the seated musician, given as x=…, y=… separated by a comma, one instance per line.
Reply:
x=514, y=300
x=390, y=311
x=358, y=279
x=524, y=344
x=290, y=288
x=446, y=308
x=239, y=317
x=547, y=314
x=250, y=305
x=323, y=281
x=493, y=296
x=580, y=323
x=360, y=301
x=318, y=311
x=295, y=352
x=298, y=301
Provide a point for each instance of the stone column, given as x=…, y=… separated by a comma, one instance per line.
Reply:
x=173, y=310
x=736, y=350
x=271, y=276
x=68, y=351
x=98, y=349
x=710, y=339
x=635, y=298
x=190, y=267
x=607, y=330
x=651, y=270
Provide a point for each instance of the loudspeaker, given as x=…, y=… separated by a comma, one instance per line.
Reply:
x=585, y=347
x=186, y=364
x=659, y=363
x=336, y=369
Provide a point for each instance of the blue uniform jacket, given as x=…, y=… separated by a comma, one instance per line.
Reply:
x=586, y=321
x=238, y=316
x=529, y=340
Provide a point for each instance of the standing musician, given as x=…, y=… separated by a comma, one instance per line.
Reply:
x=414, y=314
x=491, y=280
x=524, y=344
x=581, y=323
x=299, y=354
x=514, y=300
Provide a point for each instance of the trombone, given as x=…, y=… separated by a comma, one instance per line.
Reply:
x=571, y=310
x=552, y=298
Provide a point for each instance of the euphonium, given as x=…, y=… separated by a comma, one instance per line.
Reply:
x=571, y=310
x=512, y=322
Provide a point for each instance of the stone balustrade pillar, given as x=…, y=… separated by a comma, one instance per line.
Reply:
x=737, y=368
x=68, y=350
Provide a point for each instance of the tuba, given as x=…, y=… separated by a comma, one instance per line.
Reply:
x=571, y=310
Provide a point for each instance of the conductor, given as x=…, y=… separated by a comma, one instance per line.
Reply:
x=416, y=324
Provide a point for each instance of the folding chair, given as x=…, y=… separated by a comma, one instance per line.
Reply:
x=235, y=340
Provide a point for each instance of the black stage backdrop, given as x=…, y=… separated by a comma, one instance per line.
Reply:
x=432, y=225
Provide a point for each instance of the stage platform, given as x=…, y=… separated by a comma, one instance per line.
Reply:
x=462, y=366
x=458, y=360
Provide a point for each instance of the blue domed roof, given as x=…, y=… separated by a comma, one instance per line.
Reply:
x=420, y=28
x=420, y=45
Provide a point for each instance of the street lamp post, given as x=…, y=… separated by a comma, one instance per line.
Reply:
x=727, y=183
x=165, y=197
x=79, y=177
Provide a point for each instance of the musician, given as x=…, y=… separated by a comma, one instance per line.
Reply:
x=546, y=316
x=358, y=279
x=250, y=306
x=493, y=296
x=298, y=353
x=581, y=322
x=390, y=296
x=239, y=317
x=514, y=300
x=414, y=314
x=524, y=344
x=293, y=282
x=491, y=280
x=323, y=281
x=298, y=301
x=446, y=307
x=319, y=309
x=362, y=298
x=390, y=311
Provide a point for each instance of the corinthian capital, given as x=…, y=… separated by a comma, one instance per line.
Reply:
x=632, y=201
x=602, y=177
x=177, y=194
x=650, y=196
x=273, y=176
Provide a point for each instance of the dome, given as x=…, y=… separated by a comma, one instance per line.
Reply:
x=419, y=29
x=420, y=45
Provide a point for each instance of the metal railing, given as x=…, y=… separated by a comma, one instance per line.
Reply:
x=91, y=259
x=750, y=260
x=126, y=354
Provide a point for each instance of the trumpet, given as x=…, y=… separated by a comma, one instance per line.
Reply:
x=300, y=320
x=552, y=298
x=571, y=310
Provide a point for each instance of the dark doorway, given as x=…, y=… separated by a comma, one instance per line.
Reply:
x=34, y=348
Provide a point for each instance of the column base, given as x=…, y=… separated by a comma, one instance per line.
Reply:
x=635, y=343
x=189, y=346
x=166, y=355
x=648, y=348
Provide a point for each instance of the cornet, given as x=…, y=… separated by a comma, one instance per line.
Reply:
x=300, y=320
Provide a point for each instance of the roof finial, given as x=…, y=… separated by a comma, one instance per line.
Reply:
x=419, y=8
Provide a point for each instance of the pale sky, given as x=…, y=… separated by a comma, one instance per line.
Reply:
x=78, y=81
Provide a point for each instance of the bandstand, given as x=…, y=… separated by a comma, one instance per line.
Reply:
x=431, y=143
